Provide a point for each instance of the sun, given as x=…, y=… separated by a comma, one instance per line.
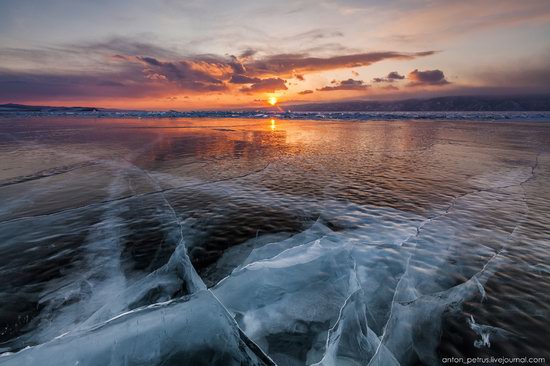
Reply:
x=272, y=100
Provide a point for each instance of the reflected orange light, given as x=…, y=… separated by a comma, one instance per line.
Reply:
x=273, y=124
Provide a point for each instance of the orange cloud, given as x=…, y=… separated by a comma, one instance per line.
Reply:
x=270, y=85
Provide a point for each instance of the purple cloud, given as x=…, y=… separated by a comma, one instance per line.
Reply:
x=349, y=84
x=427, y=77
x=243, y=79
x=287, y=64
x=390, y=78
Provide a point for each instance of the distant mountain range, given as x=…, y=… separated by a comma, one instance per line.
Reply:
x=440, y=104
x=10, y=107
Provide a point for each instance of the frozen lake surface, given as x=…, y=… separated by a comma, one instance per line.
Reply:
x=254, y=241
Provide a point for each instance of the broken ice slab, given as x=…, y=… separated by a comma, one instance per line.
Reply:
x=486, y=332
x=194, y=330
x=350, y=341
x=288, y=294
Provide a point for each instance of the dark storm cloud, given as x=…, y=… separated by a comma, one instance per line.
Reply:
x=349, y=84
x=427, y=77
x=269, y=85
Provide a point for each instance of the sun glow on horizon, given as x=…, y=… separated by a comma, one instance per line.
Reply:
x=272, y=100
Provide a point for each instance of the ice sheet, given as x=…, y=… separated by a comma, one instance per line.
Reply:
x=193, y=330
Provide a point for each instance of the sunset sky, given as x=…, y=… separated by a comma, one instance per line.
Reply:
x=219, y=54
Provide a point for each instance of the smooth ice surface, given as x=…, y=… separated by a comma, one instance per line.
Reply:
x=361, y=116
x=251, y=241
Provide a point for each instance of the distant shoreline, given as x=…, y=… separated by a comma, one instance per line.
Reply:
x=526, y=103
